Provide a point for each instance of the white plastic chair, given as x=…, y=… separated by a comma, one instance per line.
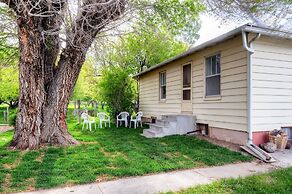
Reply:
x=104, y=118
x=87, y=120
x=122, y=117
x=136, y=120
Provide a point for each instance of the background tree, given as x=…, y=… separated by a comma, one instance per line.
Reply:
x=128, y=56
x=9, y=55
x=86, y=87
x=267, y=13
x=143, y=49
x=117, y=89
x=9, y=86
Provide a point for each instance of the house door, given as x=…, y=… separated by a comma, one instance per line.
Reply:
x=186, y=104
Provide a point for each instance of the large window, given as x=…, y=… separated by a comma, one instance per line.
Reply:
x=213, y=75
x=187, y=82
x=162, y=84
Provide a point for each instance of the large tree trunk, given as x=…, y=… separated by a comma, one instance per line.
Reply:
x=43, y=99
x=32, y=91
x=47, y=78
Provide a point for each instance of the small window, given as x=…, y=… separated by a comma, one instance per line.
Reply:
x=213, y=75
x=162, y=82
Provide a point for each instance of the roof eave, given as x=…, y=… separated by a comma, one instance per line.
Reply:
x=228, y=35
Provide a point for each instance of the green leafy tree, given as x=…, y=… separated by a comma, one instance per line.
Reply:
x=117, y=89
x=86, y=86
x=130, y=55
x=9, y=86
x=143, y=48
x=9, y=83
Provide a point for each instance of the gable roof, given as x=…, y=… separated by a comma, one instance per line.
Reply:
x=246, y=28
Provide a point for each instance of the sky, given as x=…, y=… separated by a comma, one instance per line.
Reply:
x=211, y=28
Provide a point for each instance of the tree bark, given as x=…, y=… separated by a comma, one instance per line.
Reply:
x=43, y=100
x=32, y=91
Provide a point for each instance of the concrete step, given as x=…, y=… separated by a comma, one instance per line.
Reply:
x=162, y=122
x=151, y=133
x=157, y=128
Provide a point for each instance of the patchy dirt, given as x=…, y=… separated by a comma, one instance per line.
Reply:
x=88, y=143
x=5, y=128
x=228, y=145
x=6, y=183
x=8, y=166
x=103, y=177
x=104, y=152
x=31, y=184
x=40, y=158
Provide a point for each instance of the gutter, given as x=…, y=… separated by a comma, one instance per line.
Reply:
x=248, y=46
x=250, y=147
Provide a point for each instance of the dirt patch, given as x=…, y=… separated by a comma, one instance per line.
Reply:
x=8, y=166
x=88, y=143
x=40, y=158
x=5, y=128
x=6, y=183
x=200, y=164
x=103, y=177
x=31, y=184
x=101, y=149
x=221, y=143
x=163, y=143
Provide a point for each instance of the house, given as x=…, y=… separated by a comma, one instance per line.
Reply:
x=238, y=86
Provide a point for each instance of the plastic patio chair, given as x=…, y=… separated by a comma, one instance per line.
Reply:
x=104, y=118
x=87, y=120
x=136, y=120
x=122, y=117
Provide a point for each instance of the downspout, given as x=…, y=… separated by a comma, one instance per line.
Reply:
x=248, y=46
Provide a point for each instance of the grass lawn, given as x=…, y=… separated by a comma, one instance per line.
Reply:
x=278, y=181
x=104, y=154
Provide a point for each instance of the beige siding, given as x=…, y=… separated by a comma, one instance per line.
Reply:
x=149, y=92
x=228, y=112
x=272, y=83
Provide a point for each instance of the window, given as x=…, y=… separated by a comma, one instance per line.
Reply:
x=187, y=82
x=162, y=82
x=213, y=75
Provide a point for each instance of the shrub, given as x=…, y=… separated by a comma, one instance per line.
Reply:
x=117, y=89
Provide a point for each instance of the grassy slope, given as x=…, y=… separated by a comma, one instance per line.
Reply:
x=104, y=154
x=278, y=181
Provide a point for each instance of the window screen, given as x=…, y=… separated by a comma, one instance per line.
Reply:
x=187, y=82
x=162, y=81
x=187, y=76
x=213, y=75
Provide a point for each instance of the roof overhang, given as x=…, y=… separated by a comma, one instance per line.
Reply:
x=247, y=28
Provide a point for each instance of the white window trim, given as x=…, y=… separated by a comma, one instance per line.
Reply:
x=160, y=86
x=191, y=86
x=216, y=97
